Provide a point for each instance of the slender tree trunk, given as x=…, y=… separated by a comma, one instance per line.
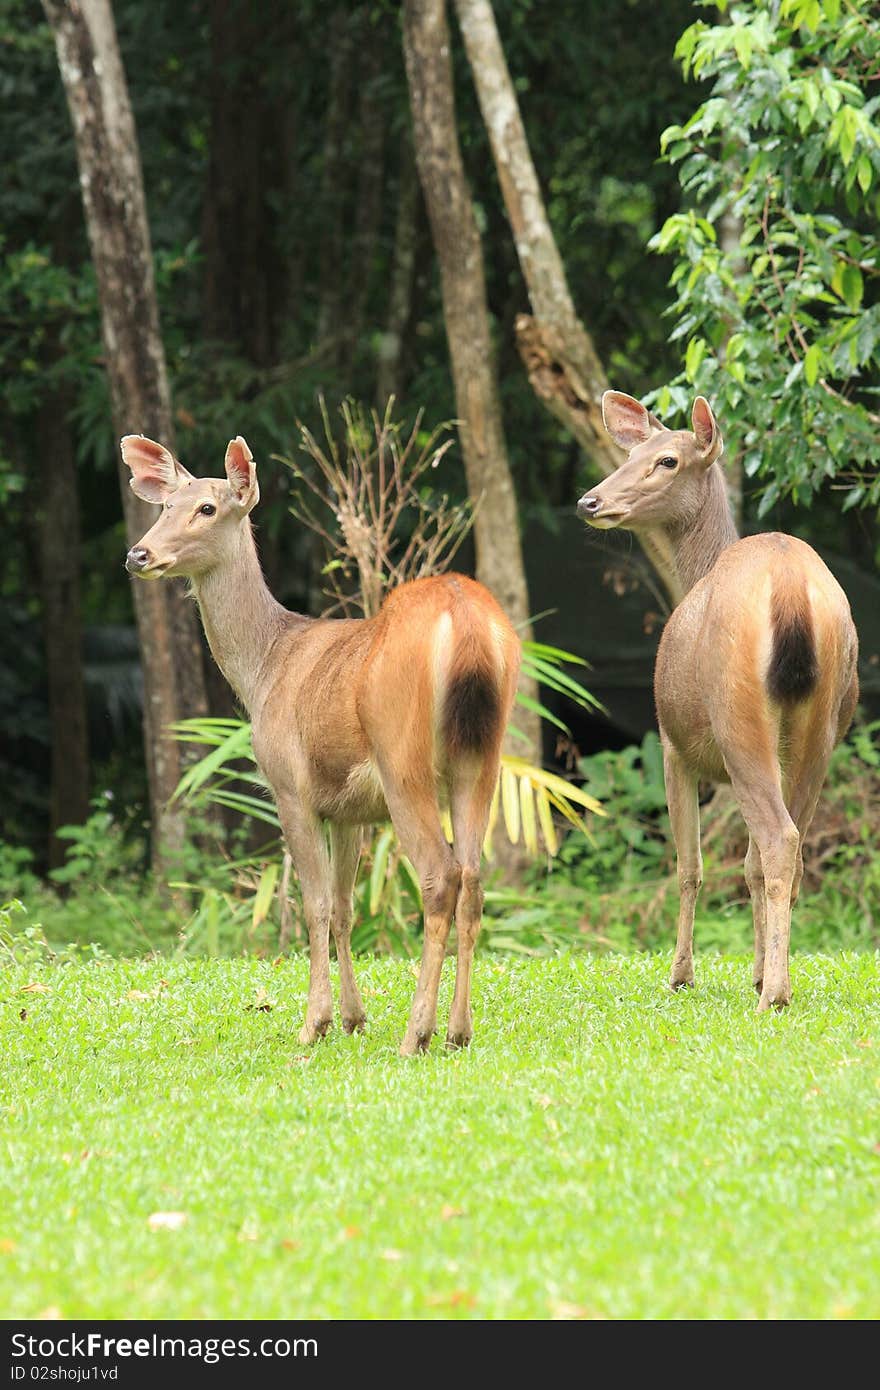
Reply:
x=457, y=243
x=403, y=264
x=563, y=365
x=731, y=230
x=331, y=308
x=238, y=222
x=370, y=187
x=62, y=621
x=116, y=219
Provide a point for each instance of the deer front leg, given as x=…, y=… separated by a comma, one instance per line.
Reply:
x=684, y=817
x=345, y=850
x=304, y=834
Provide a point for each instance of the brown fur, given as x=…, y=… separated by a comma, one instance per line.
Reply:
x=755, y=680
x=354, y=721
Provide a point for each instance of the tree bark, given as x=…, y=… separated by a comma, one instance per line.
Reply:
x=403, y=264
x=238, y=222
x=116, y=220
x=62, y=621
x=331, y=309
x=730, y=229
x=370, y=187
x=457, y=243
x=563, y=366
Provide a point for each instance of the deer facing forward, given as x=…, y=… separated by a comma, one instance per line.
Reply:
x=755, y=681
x=354, y=721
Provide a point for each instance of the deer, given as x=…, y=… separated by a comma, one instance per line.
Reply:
x=755, y=680
x=355, y=721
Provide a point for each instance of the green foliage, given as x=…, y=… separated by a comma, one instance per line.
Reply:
x=778, y=258
x=639, y=1154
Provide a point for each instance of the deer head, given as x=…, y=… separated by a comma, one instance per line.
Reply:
x=200, y=516
x=664, y=479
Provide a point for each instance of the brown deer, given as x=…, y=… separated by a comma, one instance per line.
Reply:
x=354, y=721
x=755, y=680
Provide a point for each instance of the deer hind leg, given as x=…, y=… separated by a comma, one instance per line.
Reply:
x=805, y=778
x=755, y=881
x=776, y=835
x=684, y=817
x=304, y=834
x=471, y=801
x=345, y=851
x=416, y=817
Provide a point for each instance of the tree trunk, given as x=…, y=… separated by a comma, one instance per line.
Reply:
x=238, y=222
x=370, y=187
x=331, y=288
x=116, y=219
x=457, y=243
x=62, y=621
x=730, y=235
x=403, y=264
x=563, y=366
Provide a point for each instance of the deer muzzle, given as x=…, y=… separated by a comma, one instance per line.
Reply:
x=597, y=512
x=143, y=562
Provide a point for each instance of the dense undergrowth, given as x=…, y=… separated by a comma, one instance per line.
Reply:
x=613, y=890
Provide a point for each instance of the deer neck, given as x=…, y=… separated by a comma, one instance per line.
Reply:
x=240, y=617
x=699, y=540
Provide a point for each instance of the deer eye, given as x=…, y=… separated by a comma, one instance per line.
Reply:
x=667, y=462
x=207, y=509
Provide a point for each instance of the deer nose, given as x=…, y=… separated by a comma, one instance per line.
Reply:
x=589, y=505
x=137, y=559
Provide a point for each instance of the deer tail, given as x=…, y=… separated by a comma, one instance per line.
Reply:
x=793, y=672
x=473, y=706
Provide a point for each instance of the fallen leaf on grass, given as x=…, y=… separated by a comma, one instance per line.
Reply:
x=262, y=1004
x=7, y=1246
x=351, y=1232
x=35, y=987
x=544, y=1101
x=167, y=1220
x=449, y=1213
x=138, y=994
x=392, y=1255
x=51, y=1314
x=571, y=1312
x=290, y=1244
x=458, y=1298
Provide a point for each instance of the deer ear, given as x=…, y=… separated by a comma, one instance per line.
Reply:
x=627, y=420
x=242, y=473
x=706, y=431
x=155, y=472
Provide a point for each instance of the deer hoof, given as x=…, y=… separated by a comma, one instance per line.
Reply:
x=415, y=1043
x=685, y=983
x=458, y=1039
x=765, y=1003
x=355, y=1024
x=311, y=1032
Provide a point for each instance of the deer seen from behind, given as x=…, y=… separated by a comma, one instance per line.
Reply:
x=755, y=681
x=354, y=721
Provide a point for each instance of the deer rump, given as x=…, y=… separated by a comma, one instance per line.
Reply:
x=415, y=692
x=760, y=632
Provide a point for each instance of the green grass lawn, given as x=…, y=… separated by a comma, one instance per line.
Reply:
x=605, y=1149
